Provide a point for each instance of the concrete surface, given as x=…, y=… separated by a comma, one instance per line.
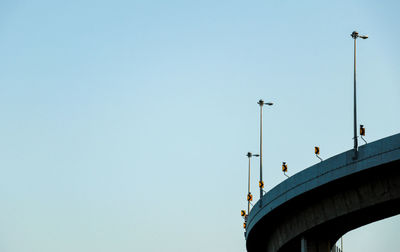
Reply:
x=312, y=209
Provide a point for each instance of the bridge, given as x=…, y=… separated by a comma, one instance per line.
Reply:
x=312, y=209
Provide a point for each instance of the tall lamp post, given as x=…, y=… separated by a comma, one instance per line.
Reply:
x=261, y=183
x=249, y=155
x=355, y=35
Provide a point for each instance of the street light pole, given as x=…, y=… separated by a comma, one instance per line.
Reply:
x=355, y=35
x=355, y=98
x=261, y=103
x=249, y=155
x=248, y=191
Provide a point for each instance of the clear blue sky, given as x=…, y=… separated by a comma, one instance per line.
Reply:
x=125, y=124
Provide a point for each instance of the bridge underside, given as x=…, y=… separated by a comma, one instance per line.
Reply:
x=315, y=220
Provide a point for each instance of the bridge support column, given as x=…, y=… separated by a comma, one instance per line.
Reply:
x=315, y=244
x=303, y=245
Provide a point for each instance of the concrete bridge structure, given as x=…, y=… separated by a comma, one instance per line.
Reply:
x=312, y=209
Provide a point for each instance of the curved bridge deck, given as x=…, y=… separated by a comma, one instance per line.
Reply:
x=299, y=205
